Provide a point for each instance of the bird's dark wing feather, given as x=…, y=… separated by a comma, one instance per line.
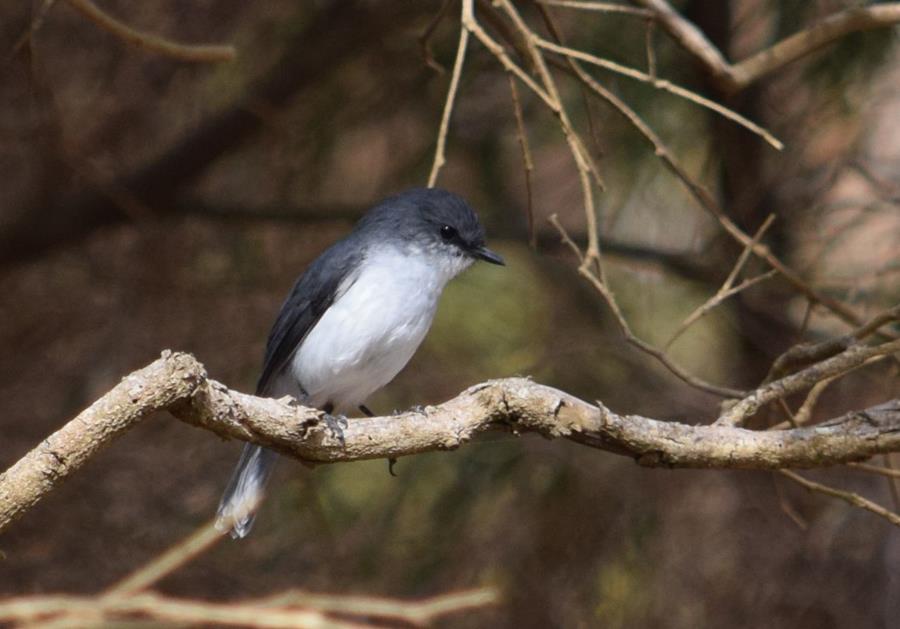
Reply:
x=312, y=295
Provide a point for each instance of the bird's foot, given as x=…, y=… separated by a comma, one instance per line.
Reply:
x=418, y=408
x=335, y=425
x=391, y=463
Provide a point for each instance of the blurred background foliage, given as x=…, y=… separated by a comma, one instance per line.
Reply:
x=150, y=204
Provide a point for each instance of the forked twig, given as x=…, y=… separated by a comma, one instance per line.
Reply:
x=807, y=353
x=428, y=33
x=727, y=289
x=805, y=413
x=33, y=27
x=583, y=160
x=664, y=85
x=715, y=301
x=608, y=296
x=787, y=507
x=706, y=202
x=738, y=76
x=845, y=362
x=603, y=7
x=847, y=496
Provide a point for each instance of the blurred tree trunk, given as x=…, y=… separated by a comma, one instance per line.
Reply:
x=744, y=189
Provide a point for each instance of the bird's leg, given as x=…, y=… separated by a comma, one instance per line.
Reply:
x=334, y=423
x=392, y=461
x=418, y=408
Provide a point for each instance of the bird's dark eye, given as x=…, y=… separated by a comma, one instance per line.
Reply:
x=448, y=233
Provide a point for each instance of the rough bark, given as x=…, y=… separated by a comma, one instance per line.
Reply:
x=177, y=382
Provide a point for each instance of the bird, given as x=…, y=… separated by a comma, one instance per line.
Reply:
x=354, y=319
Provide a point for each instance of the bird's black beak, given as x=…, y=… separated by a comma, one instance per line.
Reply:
x=483, y=253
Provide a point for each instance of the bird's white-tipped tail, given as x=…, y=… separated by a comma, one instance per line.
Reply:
x=237, y=509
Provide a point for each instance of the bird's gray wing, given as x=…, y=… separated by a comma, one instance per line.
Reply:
x=331, y=274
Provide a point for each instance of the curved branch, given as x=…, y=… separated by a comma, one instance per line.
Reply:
x=171, y=378
x=738, y=76
x=197, y=53
x=177, y=382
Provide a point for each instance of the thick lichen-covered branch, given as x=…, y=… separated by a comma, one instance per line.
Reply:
x=177, y=382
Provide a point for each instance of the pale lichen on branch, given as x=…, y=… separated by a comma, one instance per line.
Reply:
x=178, y=383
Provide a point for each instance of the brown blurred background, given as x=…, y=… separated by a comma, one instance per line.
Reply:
x=148, y=204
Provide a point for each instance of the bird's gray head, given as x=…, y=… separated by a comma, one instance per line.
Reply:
x=431, y=222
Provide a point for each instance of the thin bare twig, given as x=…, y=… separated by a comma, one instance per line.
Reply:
x=787, y=507
x=198, y=53
x=129, y=598
x=603, y=7
x=160, y=567
x=808, y=353
x=565, y=238
x=874, y=469
x=470, y=23
x=805, y=412
x=599, y=282
x=848, y=360
x=439, y=157
x=736, y=77
x=893, y=482
x=788, y=413
x=527, y=162
x=745, y=253
x=606, y=293
x=144, y=577
x=428, y=33
x=33, y=27
x=715, y=301
x=688, y=36
x=727, y=289
x=649, y=32
x=708, y=203
x=583, y=160
x=847, y=496
x=664, y=85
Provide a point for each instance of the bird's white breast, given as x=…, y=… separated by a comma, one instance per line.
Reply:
x=372, y=330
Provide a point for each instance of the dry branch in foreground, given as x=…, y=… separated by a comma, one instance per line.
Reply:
x=178, y=383
x=132, y=600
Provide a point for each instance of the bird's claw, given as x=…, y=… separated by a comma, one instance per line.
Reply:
x=335, y=425
x=392, y=461
x=418, y=408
